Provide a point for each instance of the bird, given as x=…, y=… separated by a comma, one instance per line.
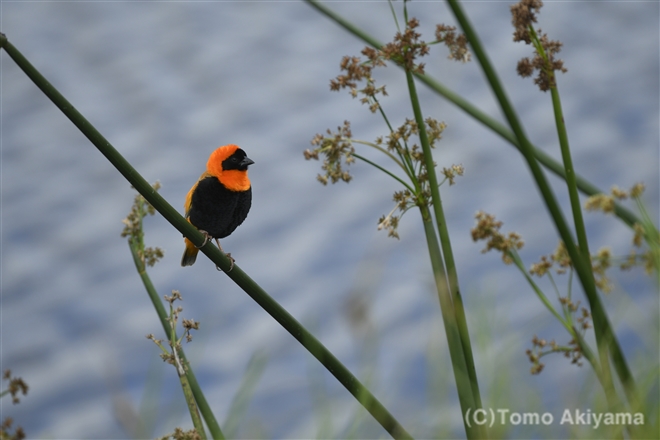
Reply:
x=220, y=199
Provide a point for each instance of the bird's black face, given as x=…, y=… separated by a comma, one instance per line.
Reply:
x=237, y=161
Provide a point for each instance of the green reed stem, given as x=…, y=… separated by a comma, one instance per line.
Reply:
x=578, y=221
x=448, y=279
x=249, y=286
x=191, y=380
x=192, y=406
x=458, y=359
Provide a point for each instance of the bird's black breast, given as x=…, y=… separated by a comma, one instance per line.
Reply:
x=217, y=210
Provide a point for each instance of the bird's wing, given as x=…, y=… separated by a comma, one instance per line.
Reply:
x=188, y=203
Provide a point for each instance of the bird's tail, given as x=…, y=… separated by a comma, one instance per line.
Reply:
x=190, y=254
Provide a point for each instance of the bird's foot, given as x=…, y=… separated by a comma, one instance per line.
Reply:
x=228, y=255
x=206, y=239
x=231, y=263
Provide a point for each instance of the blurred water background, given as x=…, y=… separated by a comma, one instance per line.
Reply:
x=166, y=83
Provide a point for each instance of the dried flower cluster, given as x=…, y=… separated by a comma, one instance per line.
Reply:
x=404, y=50
x=188, y=325
x=133, y=228
x=180, y=434
x=607, y=204
x=560, y=257
x=600, y=263
x=541, y=347
x=399, y=142
x=523, y=16
x=572, y=350
x=356, y=72
x=5, y=430
x=457, y=45
x=16, y=386
x=336, y=148
x=451, y=173
x=488, y=229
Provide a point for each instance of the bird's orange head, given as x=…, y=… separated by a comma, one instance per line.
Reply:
x=229, y=165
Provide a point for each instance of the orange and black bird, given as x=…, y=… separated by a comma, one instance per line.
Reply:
x=220, y=200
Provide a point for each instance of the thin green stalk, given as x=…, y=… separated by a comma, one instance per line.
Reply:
x=258, y=294
x=253, y=372
x=384, y=151
x=192, y=407
x=546, y=160
x=404, y=158
x=394, y=176
x=192, y=383
x=605, y=336
x=457, y=301
x=578, y=221
x=181, y=371
x=581, y=232
x=566, y=321
x=458, y=360
x=539, y=293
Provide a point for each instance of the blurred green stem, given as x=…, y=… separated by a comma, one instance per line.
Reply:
x=192, y=407
x=191, y=380
x=449, y=278
x=458, y=359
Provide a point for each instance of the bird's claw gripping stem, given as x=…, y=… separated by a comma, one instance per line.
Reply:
x=206, y=239
x=228, y=255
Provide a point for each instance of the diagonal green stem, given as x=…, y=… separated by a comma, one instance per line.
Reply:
x=385, y=152
x=394, y=176
x=256, y=292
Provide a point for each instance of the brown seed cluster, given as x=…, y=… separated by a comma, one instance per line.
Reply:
x=457, y=44
x=337, y=149
x=559, y=257
x=133, y=228
x=488, y=229
x=606, y=203
x=406, y=48
x=544, y=61
x=16, y=386
x=5, y=430
x=541, y=347
x=172, y=357
x=180, y=434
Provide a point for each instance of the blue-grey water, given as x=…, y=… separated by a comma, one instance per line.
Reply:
x=167, y=82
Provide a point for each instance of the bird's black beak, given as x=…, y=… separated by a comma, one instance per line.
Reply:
x=245, y=162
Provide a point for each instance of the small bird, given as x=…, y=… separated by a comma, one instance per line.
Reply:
x=220, y=200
